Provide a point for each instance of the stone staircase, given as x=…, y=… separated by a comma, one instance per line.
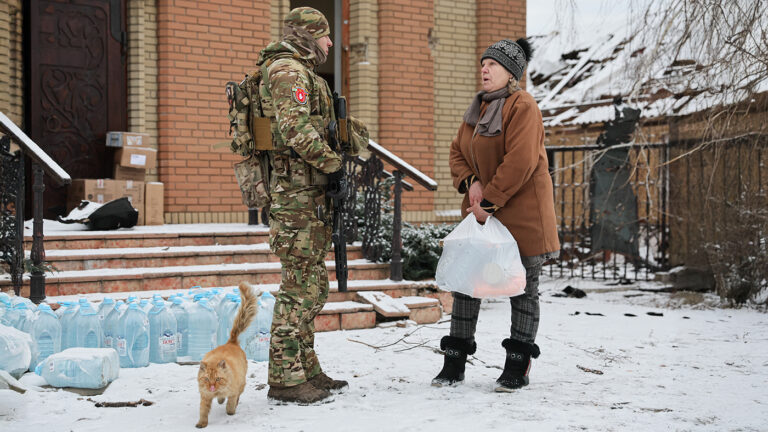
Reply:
x=150, y=259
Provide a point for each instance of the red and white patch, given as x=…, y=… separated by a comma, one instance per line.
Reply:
x=300, y=95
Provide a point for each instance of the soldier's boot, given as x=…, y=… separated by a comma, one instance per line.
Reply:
x=303, y=394
x=323, y=381
x=517, y=365
x=456, y=351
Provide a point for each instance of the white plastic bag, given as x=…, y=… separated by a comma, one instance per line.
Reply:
x=481, y=260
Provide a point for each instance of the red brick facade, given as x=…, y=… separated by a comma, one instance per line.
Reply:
x=499, y=20
x=406, y=88
x=201, y=46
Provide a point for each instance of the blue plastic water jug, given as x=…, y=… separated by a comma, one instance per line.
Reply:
x=266, y=309
x=106, y=306
x=111, y=325
x=46, y=332
x=227, y=313
x=202, y=329
x=162, y=334
x=80, y=367
x=179, y=309
x=5, y=304
x=133, y=337
x=86, y=327
x=24, y=317
x=67, y=328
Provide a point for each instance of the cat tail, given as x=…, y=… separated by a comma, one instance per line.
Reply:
x=245, y=313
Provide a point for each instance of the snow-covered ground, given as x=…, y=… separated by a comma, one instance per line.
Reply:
x=694, y=368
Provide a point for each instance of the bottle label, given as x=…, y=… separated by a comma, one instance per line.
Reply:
x=121, y=346
x=167, y=342
x=108, y=341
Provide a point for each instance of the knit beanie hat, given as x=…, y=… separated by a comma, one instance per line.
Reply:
x=311, y=20
x=513, y=55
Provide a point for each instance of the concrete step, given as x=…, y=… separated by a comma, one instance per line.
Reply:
x=180, y=277
x=424, y=305
x=56, y=237
x=169, y=256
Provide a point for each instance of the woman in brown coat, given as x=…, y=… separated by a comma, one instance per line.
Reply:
x=499, y=162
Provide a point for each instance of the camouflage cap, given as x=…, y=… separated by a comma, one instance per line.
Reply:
x=310, y=19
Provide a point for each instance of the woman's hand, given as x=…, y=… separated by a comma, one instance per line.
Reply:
x=480, y=214
x=475, y=193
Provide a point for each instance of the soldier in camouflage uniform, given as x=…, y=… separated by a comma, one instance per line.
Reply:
x=300, y=105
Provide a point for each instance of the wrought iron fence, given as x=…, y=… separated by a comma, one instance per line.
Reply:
x=12, y=212
x=12, y=193
x=611, y=205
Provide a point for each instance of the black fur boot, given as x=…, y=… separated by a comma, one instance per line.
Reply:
x=518, y=364
x=456, y=351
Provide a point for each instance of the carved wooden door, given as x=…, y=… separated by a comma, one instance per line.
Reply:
x=77, y=86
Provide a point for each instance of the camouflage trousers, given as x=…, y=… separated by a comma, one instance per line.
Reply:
x=301, y=241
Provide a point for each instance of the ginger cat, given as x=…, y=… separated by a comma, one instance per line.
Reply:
x=222, y=370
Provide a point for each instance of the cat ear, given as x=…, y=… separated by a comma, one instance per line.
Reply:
x=223, y=364
x=202, y=366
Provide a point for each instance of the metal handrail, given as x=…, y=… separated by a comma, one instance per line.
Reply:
x=34, y=151
x=41, y=164
x=401, y=168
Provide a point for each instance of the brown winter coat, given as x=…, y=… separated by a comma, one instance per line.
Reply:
x=513, y=169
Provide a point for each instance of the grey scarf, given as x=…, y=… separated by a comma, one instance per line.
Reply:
x=490, y=124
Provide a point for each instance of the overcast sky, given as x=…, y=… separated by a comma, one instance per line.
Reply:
x=547, y=15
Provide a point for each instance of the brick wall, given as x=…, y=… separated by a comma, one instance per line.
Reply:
x=278, y=10
x=142, y=70
x=5, y=56
x=406, y=88
x=11, y=63
x=456, y=79
x=499, y=19
x=202, y=45
x=363, y=64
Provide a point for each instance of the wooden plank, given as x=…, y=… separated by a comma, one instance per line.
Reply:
x=384, y=304
x=416, y=302
x=345, y=307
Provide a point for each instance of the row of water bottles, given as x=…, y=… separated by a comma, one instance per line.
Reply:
x=185, y=327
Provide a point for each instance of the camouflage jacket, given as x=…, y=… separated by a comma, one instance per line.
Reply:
x=299, y=102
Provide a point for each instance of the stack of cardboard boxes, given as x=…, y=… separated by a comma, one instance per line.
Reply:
x=132, y=160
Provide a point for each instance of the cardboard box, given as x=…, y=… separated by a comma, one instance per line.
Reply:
x=128, y=139
x=126, y=173
x=134, y=191
x=94, y=190
x=153, y=204
x=136, y=157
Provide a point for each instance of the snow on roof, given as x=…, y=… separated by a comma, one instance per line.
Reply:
x=575, y=79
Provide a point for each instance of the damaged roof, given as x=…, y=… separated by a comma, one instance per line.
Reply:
x=576, y=82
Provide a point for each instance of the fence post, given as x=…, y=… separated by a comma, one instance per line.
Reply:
x=37, y=277
x=396, y=268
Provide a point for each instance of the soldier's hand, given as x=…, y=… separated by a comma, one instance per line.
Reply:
x=337, y=185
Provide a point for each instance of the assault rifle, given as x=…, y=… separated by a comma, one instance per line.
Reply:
x=338, y=189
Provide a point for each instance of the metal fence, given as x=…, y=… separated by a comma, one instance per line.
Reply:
x=611, y=205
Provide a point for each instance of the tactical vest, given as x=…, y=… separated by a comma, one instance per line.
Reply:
x=288, y=169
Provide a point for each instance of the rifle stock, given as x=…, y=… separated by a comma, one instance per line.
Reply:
x=339, y=143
